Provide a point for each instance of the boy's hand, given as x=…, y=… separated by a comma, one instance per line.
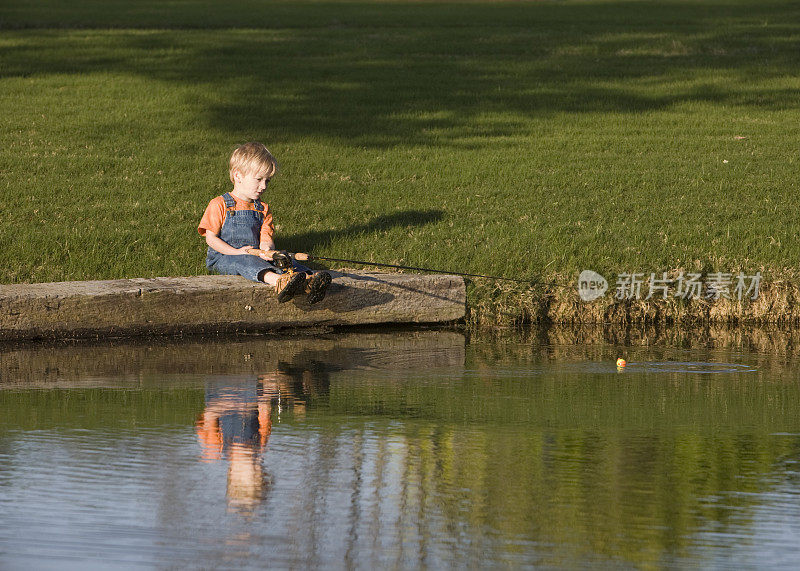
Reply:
x=263, y=254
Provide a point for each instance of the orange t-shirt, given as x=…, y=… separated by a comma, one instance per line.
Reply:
x=214, y=216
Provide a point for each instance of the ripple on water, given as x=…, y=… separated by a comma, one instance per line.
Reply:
x=700, y=367
x=689, y=367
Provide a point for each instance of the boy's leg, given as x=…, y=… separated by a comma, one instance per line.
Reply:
x=250, y=267
x=298, y=267
x=317, y=283
x=259, y=270
x=269, y=277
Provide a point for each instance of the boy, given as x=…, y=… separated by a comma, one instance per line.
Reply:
x=239, y=231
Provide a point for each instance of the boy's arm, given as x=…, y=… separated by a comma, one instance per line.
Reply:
x=223, y=247
x=267, y=243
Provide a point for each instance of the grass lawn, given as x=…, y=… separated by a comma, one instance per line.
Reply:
x=520, y=138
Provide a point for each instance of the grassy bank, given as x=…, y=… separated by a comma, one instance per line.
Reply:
x=532, y=139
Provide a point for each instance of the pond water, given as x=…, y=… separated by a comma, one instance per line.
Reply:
x=402, y=449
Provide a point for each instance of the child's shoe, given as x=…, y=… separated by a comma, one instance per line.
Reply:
x=289, y=285
x=317, y=286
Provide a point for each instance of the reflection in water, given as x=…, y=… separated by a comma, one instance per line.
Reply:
x=235, y=424
x=237, y=420
x=397, y=450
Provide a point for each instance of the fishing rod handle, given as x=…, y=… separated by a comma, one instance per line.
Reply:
x=299, y=256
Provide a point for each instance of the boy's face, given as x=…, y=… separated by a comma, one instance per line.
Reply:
x=249, y=186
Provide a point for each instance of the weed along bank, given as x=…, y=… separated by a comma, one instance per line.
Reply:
x=677, y=297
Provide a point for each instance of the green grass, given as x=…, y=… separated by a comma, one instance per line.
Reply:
x=525, y=138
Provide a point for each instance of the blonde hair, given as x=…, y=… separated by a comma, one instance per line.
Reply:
x=252, y=157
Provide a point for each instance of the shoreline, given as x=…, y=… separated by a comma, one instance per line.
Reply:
x=212, y=305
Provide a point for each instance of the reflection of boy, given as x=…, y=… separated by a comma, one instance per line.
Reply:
x=239, y=230
x=236, y=424
x=234, y=417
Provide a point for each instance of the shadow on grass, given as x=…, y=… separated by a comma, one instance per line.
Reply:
x=312, y=241
x=378, y=75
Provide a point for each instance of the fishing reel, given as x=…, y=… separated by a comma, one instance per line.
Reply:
x=283, y=260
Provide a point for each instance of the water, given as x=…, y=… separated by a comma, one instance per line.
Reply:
x=401, y=450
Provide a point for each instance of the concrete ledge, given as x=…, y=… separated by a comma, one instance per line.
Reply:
x=220, y=304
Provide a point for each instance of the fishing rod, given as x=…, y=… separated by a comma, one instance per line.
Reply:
x=301, y=257
x=283, y=259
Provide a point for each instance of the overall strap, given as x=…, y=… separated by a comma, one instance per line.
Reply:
x=259, y=206
x=230, y=204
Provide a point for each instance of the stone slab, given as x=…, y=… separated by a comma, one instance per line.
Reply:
x=200, y=304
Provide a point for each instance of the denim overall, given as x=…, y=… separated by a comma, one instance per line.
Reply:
x=242, y=228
